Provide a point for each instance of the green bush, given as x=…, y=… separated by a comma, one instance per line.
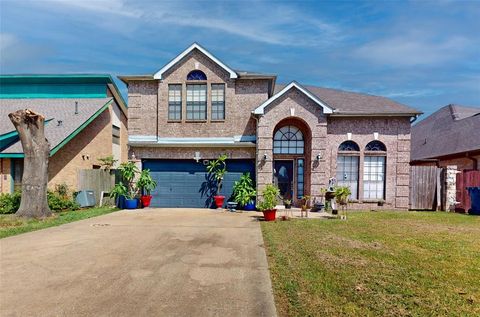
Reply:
x=57, y=202
x=9, y=203
x=244, y=190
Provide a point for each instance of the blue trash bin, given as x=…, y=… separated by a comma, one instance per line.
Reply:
x=474, y=193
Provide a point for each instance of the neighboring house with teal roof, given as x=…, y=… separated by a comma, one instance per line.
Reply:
x=86, y=119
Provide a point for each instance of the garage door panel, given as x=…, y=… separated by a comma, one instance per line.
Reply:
x=185, y=183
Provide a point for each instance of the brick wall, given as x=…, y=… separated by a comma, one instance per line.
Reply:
x=188, y=153
x=95, y=141
x=148, y=102
x=305, y=112
x=327, y=135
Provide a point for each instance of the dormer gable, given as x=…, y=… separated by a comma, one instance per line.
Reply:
x=195, y=46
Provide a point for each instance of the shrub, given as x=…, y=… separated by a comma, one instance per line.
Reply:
x=61, y=199
x=9, y=203
x=57, y=202
x=62, y=189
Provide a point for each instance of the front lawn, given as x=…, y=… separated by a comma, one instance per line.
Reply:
x=376, y=264
x=11, y=225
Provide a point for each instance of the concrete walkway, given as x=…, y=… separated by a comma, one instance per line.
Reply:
x=154, y=262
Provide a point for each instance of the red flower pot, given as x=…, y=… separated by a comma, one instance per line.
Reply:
x=146, y=199
x=270, y=214
x=219, y=201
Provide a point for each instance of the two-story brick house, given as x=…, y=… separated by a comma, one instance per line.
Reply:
x=196, y=108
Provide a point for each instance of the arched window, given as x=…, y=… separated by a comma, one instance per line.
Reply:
x=196, y=75
x=374, y=168
x=349, y=146
x=375, y=146
x=348, y=166
x=288, y=140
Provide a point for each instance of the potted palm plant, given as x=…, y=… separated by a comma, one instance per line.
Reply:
x=218, y=168
x=269, y=201
x=341, y=196
x=244, y=192
x=146, y=184
x=127, y=187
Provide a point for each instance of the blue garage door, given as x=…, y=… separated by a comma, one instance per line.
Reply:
x=185, y=183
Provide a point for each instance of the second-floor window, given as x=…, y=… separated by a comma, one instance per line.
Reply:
x=218, y=102
x=175, y=102
x=197, y=102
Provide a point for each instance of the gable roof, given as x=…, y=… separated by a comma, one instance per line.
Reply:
x=448, y=131
x=261, y=109
x=346, y=103
x=54, y=110
x=194, y=46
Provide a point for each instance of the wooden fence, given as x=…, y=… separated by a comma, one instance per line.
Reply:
x=423, y=187
x=97, y=180
x=467, y=178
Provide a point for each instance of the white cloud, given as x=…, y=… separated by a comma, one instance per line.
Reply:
x=115, y=7
x=273, y=24
x=15, y=53
x=414, y=49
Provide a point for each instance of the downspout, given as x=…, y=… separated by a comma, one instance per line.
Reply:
x=474, y=160
x=12, y=176
x=256, y=151
x=1, y=175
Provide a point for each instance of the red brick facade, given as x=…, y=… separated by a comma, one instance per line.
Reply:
x=148, y=116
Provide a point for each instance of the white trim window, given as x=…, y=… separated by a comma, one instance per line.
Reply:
x=348, y=161
x=175, y=102
x=197, y=102
x=218, y=101
x=374, y=168
x=288, y=140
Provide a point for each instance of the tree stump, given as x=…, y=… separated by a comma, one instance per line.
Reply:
x=31, y=130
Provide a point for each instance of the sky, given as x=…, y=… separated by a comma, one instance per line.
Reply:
x=425, y=54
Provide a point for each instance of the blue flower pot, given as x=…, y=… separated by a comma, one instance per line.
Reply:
x=250, y=206
x=131, y=203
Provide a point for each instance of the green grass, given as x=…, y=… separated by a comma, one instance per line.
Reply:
x=376, y=264
x=11, y=225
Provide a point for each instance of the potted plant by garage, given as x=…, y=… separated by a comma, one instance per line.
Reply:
x=244, y=192
x=127, y=187
x=146, y=184
x=269, y=201
x=218, y=168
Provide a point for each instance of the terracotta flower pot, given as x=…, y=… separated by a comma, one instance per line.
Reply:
x=270, y=214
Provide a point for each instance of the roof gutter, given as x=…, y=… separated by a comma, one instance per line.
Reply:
x=127, y=78
x=392, y=114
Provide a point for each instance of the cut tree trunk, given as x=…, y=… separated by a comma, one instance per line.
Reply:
x=30, y=127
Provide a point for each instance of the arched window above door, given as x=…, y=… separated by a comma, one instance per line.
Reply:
x=196, y=75
x=288, y=140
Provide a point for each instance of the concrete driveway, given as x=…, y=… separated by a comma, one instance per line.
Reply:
x=156, y=262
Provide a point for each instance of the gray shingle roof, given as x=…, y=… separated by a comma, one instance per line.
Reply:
x=452, y=129
x=351, y=103
x=55, y=110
